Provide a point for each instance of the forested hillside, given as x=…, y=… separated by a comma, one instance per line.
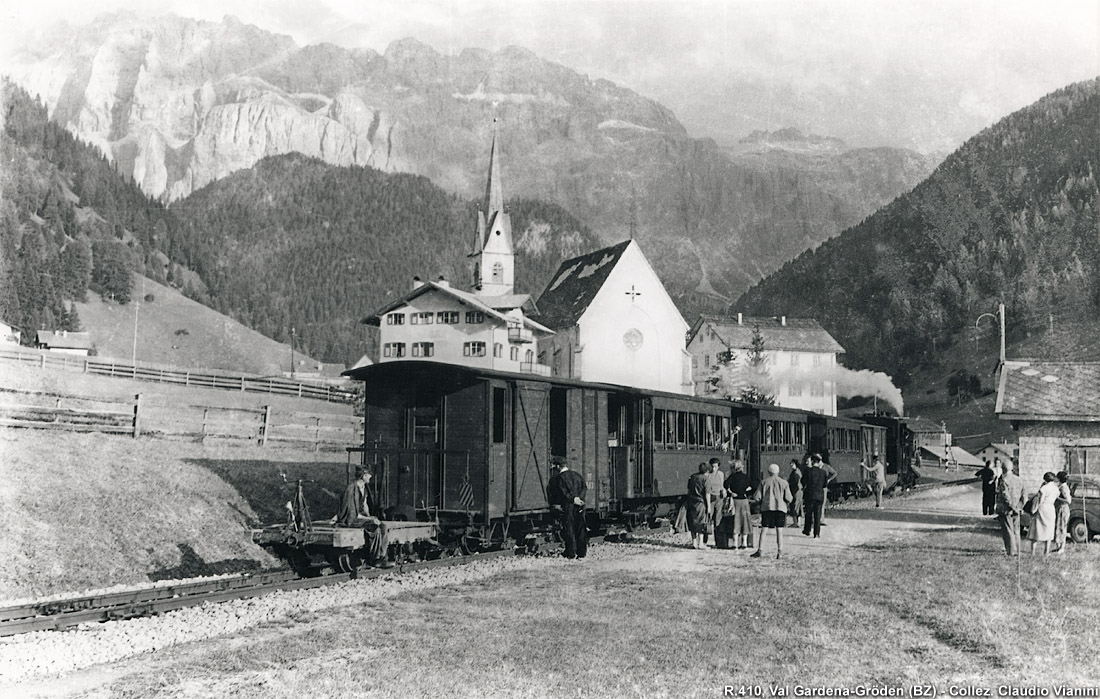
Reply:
x=68, y=222
x=294, y=242
x=1011, y=216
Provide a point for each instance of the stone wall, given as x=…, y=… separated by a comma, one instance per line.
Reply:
x=1042, y=448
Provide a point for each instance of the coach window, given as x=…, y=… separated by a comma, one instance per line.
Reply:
x=768, y=435
x=659, y=426
x=670, y=429
x=693, y=431
x=681, y=429
x=710, y=433
x=499, y=396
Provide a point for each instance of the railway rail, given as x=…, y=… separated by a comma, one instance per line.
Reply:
x=60, y=614
x=65, y=613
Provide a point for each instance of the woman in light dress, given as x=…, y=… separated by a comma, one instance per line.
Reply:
x=1043, y=515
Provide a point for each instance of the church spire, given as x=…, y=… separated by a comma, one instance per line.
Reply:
x=494, y=191
x=493, y=255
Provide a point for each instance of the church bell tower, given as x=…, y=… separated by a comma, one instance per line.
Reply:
x=493, y=258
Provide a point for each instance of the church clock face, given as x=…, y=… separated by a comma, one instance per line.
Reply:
x=632, y=339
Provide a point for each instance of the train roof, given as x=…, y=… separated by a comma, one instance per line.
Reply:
x=367, y=372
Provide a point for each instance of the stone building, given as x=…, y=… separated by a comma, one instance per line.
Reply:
x=1055, y=408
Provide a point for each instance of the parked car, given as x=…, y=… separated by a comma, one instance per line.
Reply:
x=1084, y=510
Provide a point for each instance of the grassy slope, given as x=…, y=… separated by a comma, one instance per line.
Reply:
x=91, y=510
x=213, y=341
x=935, y=607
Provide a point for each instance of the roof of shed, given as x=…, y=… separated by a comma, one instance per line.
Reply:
x=1061, y=391
x=64, y=340
x=794, y=335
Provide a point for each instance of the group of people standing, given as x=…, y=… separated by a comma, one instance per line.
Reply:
x=1003, y=495
x=720, y=506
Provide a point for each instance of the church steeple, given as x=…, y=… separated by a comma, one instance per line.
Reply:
x=493, y=256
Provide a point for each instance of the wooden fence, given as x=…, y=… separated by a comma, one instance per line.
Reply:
x=159, y=417
x=141, y=371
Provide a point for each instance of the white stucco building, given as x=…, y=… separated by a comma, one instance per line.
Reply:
x=801, y=356
x=486, y=326
x=614, y=323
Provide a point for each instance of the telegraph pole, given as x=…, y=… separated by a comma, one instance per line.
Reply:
x=1001, y=311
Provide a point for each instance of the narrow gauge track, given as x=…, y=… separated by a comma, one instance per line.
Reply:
x=60, y=614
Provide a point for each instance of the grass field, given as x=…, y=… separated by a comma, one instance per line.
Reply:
x=669, y=621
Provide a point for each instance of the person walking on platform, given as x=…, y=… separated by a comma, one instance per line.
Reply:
x=814, y=484
x=716, y=490
x=876, y=474
x=739, y=488
x=1010, y=499
x=989, y=487
x=698, y=506
x=774, y=496
x=1061, y=512
x=565, y=493
x=794, y=482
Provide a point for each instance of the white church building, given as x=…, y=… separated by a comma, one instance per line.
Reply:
x=614, y=323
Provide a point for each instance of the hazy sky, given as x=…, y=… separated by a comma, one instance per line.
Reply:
x=859, y=69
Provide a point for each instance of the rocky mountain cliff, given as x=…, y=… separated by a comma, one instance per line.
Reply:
x=179, y=103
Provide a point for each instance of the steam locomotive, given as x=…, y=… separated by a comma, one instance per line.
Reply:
x=461, y=456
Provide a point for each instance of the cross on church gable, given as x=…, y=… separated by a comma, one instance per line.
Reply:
x=632, y=293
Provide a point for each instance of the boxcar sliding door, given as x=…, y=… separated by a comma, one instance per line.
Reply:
x=530, y=445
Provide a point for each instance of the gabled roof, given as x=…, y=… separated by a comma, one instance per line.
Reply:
x=489, y=305
x=955, y=455
x=1064, y=391
x=63, y=340
x=575, y=285
x=790, y=334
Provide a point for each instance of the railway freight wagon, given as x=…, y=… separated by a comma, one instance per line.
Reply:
x=471, y=448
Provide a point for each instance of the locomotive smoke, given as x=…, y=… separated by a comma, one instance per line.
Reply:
x=856, y=383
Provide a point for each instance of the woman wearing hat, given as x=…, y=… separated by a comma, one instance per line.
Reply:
x=774, y=495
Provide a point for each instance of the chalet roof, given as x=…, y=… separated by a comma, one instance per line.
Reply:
x=790, y=334
x=490, y=305
x=62, y=339
x=1062, y=391
x=575, y=285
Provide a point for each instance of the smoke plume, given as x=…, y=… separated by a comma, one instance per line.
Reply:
x=851, y=383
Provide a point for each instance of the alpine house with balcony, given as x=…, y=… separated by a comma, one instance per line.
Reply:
x=486, y=327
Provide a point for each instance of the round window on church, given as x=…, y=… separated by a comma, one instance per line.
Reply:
x=632, y=339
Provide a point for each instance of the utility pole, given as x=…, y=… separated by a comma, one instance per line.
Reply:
x=1001, y=310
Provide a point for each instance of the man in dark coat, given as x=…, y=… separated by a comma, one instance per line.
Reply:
x=565, y=494
x=814, y=484
x=989, y=488
x=358, y=508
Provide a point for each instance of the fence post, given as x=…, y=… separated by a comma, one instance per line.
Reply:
x=85, y=366
x=316, y=434
x=265, y=426
x=137, y=415
x=242, y=384
x=205, y=412
x=42, y=361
